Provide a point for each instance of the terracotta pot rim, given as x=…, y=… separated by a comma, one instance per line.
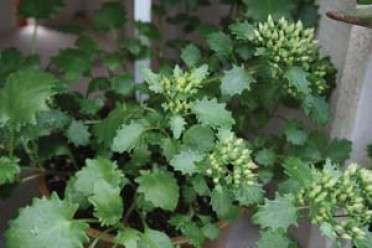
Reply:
x=94, y=233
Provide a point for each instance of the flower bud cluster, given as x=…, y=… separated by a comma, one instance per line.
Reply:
x=231, y=162
x=340, y=199
x=288, y=44
x=178, y=89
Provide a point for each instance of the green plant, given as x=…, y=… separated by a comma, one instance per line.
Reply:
x=195, y=149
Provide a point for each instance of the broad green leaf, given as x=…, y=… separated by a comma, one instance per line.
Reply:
x=140, y=156
x=75, y=196
x=24, y=95
x=40, y=9
x=11, y=60
x=160, y=188
x=148, y=30
x=9, y=170
x=112, y=61
x=189, y=229
x=295, y=132
x=220, y=42
x=108, y=204
x=249, y=194
x=133, y=45
x=123, y=84
x=177, y=124
x=128, y=237
x=222, y=204
x=265, y=157
x=235, y=81
x=327, y=229
x=211, y=231
x=317, y=108
x=158, y=239
x=170, y=147
x=91, y=106
x=200, y=185
x=191, y=55
x=297, y=78
x=186, y=161
x=47, y=223
x=274, y=239
x=298, y=170
x=110, y=16
x=212, y=113
x=242, y=30
x=198, y=137
x=153, y=80
x=97, y=171
x=200, y=73
x=127, y=137
x=78, y=133
x=87, y=44
x=339, y=150
x=278, y=214
x=73, y=63
x=260, y=10
x=107, y=128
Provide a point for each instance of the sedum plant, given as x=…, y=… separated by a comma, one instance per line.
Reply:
x=186, y=149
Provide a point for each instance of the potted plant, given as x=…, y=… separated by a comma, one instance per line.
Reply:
x=191, y=153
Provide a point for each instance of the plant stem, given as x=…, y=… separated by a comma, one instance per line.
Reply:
x=34, y=34
x=32, y=177
x=131, y=208
x=212, y=79
x=95, y=241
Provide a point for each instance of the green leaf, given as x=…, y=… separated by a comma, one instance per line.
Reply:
x=76, y=196
x=47, y=223
x=298, y=170
x=73, y=63
x=220, y=42
x=11, y=60
x=235, y=81
x=317, y=108
x=160, y=188
x=97, y=171
x=364, y=243
x=158, y=239
x=199, y=138
x=108, y=204
x=24, y=95
x=153, y=80
x=87, y=44
x=222, y=204
x=266, y=157
x=295, y=132
x=260, y=10
x=186, y=161
x=9, y=169
x=107, y=128
x=40, y=9
x=170, y=147
x=98, y=84
x=339, y=150
x=111, y=15
x=189, y=229
x=249, y=194
x=191, y=55
x=297, y=78
x=123, y=84
x=128, y=237
x=279, y=213
x=211, y=231
x=177, y=124
x=148, y=30
x=133, y=45
x=78, y=133
x=112, y=61
x=242, y=30
x=212, y=113
x=272, y=239
x=127, y=137
x=200, y=185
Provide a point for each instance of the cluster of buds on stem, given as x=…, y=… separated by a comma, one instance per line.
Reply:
x=179, y=88
x=287, y=44
x=231, y=162
x=341, y=199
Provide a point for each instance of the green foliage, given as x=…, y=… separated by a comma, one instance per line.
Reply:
x=274, y=239
x=260, y=10
x=110, y=16
x=278, y=214
x=297, y=78
x=40, y=9
x=128, y=237
x=177, y=124
x=298, y=170
x=222, y=204
x=295, y=133
x=24, y=95
x=220, y=43
x=127, y=137
x=198, y=137
x=191, y=55
x=9, y=169
x=186, y=161
x=339, y=150
x=266, y=157
x=78, y=133
x=235, y=81
x=159, y=188
x=43, y=222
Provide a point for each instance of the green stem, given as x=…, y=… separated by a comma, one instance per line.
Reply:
x=95, y=241
x=34, y=35
x=212, y=79
x=131, y=208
